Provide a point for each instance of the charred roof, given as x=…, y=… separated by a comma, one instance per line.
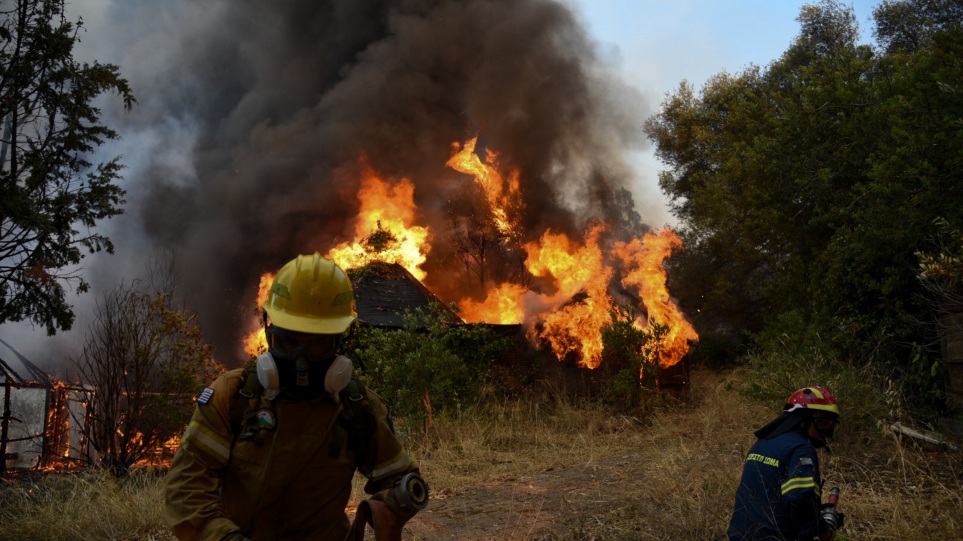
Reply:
x=384, y=292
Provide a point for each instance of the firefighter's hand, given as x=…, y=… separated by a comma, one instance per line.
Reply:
x=235, y=536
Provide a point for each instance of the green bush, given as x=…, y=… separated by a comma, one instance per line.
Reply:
x=431, y=356
x=867, y=397
x=631, y=364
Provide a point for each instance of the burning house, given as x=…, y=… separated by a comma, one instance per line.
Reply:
x=42, y=417
x=485, y=147
x=561, y=290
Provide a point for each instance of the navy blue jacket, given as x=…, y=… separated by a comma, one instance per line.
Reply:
x=779, y=494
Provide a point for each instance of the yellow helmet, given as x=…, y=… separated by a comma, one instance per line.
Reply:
x=313, y=295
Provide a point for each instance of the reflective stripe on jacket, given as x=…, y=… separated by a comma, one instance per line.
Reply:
x=779, y=493
x=283, y=485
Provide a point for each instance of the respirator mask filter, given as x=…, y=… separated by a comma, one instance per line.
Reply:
x=332, y=376
x=303, y=364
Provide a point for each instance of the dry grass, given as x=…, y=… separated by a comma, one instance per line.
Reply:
x=83, y=506
x=671, y=476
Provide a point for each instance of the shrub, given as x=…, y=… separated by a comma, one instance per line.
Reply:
x=787, y=366
x=630, y=363
x=430, y=357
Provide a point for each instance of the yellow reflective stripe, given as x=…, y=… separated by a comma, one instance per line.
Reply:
x=397, y=463
x=797, y=483
x=208, y=440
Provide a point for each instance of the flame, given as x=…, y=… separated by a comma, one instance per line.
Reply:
x=573, y=327
x=159, y=456
x=502, y=305
x=255, y=343
x=579, y=272
x=384, y=230
x=645, y=271
x=502, y=193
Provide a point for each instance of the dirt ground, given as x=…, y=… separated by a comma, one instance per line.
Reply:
x=523, y=508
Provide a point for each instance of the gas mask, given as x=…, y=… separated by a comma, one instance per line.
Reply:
x=302, y=366
x=302, y=378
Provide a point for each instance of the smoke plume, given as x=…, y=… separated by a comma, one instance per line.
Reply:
x=254, y=120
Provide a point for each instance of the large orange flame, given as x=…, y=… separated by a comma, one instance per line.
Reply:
x=501, y=192
x=385, y=230
x=572, y=315
x=255, y=343
x=573, y=327
x=645, y=271
x=502, y=306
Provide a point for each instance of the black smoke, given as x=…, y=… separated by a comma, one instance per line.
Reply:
x=255, y=115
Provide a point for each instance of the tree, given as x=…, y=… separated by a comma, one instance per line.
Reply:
x=805, y=189
x=910, y=24
x=432, y=360
x=51, y=196
x=480, y=253
x=144, y=360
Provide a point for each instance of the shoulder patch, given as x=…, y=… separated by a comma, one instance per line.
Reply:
x=206, y=395
x=806, y=461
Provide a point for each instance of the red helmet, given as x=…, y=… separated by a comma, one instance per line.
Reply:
x=812, y=398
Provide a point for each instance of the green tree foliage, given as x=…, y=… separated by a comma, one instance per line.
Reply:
x=51, y=196
x=807, y=187
x=145, y=360
x=431, y=356
x=944, y=268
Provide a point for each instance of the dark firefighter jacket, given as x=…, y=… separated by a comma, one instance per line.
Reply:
x=779, y=494
x=287, y=481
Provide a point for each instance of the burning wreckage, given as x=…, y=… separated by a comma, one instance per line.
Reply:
x=42, y=421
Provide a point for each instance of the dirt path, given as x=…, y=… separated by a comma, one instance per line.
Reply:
x=522, y=508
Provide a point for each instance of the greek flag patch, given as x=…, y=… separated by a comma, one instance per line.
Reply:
x=805, y=461
x=205, y=396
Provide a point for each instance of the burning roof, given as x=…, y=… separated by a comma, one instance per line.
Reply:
x=11, y=360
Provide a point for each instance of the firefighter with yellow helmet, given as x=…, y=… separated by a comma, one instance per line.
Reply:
x=272, y=448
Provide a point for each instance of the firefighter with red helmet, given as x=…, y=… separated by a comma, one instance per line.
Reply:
x=779, y=496
x=272, y=448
